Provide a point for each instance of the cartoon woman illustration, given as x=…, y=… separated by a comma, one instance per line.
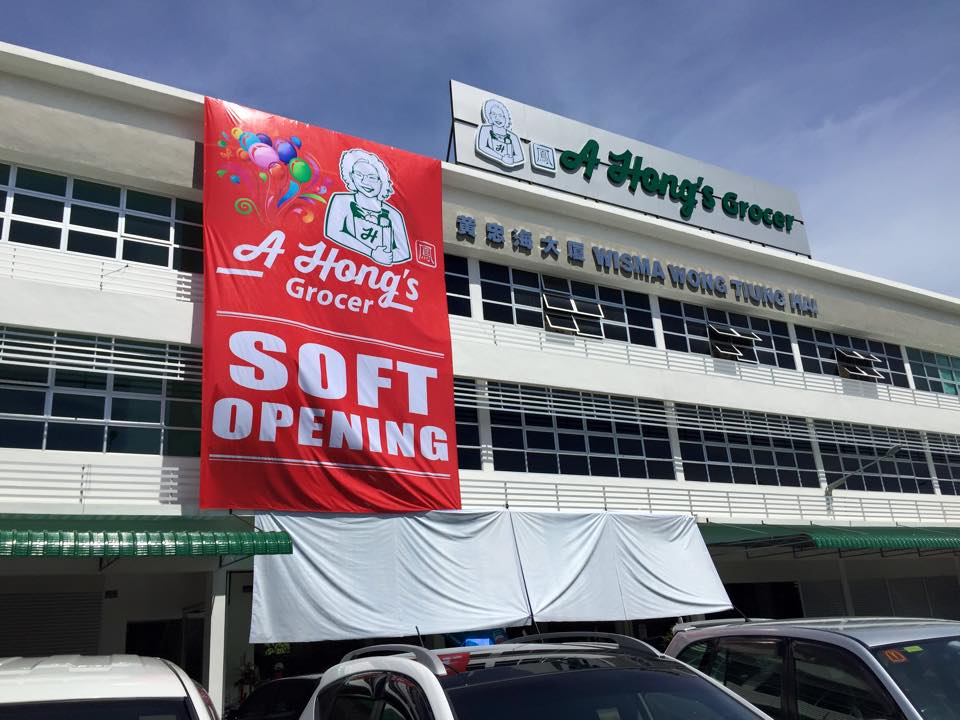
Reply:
x=495, y=140
x=361, y=219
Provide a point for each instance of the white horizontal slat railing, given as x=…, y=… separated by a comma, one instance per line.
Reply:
x=49, y=266
x=175, y=482
x=524, y=338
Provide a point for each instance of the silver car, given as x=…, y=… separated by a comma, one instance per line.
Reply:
x=832, y=668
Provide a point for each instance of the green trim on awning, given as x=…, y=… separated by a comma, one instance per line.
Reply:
x=828, y=536
x=135, y=536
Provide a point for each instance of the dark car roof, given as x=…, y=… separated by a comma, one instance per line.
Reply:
x=869, y=631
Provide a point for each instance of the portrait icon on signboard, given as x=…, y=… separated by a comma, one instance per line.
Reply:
x=496, y=140
x=362, y=219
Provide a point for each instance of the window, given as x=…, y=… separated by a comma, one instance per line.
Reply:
x=848, y=448
x=694, y=654
x=549, y=430
x=91, y=410
x=564, y=306
x=833, y=684
x=945, y=450
x=90, y=218
x=752, y=668
x=468, y=429
x=934, y=372
x=733, y=336
x=458, y=285
x=829, y=353
x=353, y=698
x=403, y=699
x=739, y=446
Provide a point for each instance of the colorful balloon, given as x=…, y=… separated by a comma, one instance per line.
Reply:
x=300, y=170
x=236, y=132
x=247, y=139
x=263, y=155
x=295, y=140
x=286, y=151
x=265, y=139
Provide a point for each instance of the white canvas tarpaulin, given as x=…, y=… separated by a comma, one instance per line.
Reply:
x=356, y=576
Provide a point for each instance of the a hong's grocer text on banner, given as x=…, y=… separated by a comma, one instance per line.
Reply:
x=327, y=376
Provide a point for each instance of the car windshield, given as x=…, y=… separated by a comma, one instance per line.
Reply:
x=597, y=694
x=128, y=709
x=926, y=671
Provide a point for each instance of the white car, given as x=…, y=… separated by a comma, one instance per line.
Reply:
x=540, y=677
x=101, y=687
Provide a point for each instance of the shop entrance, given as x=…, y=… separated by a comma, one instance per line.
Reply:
x=179, y=640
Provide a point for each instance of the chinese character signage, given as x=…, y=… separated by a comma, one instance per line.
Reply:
x=327, y=377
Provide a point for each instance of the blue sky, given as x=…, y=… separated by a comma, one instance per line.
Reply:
x=855, y=105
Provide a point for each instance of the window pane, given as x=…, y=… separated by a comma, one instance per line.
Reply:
x=23, y=374
x=38, y=207
x=132, y=384
x=135, y=410
x=145, y=253
x=134, y=225
x=133, y=440
x=190, y=236
x=30, y=234
x=80, y=379
x=77, y=406
x=145, y=202
x=41, y=181
x=21, y=434
x=22, y=402
x=183, y=414
x=94, y=218
x=753, y=669
x=183, y=389
x=95, y=192
x=186, y=443
x=91, y=244
x=832, y=683
x=189, y=210
x=4, y=174
x=73, y=436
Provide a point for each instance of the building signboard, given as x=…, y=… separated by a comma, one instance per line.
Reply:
x=498, y=134
x=327, y=374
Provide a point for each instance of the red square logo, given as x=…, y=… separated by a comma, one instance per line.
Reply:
x=426, y=253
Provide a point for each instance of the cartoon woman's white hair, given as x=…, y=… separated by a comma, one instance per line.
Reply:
x=490, y=105
x=351, y=157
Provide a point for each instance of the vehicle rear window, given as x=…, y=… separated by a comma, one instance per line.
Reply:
x=598, y=694
x=132, y=709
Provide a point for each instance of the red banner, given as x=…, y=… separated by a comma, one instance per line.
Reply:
x=327, y=377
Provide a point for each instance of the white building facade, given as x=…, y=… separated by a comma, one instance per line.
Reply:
x=816, y=441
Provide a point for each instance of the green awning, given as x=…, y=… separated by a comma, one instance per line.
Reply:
x=135, y=536
x=829, y=536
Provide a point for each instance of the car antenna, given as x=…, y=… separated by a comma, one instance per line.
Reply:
x=740, y=612
x=419, y=636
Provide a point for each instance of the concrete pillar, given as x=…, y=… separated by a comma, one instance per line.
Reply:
x=216, y=637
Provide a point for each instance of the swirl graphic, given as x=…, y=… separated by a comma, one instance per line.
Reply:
x=245, y=206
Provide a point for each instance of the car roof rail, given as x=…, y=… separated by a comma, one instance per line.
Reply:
x=623, y=642
x=420, y=654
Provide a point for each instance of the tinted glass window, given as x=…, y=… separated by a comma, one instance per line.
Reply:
x=291, y=698
x=403, y=699
x=139, y=709
x=259, y=702
x=832, y=684
x=352, y=699
x=752, y=668
x=926, y=671
x=693, y=655
x=604, y=694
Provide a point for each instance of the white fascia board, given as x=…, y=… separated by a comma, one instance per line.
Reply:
x=97, y=81
x=634, y=221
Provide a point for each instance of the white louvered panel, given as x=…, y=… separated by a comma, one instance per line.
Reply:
x=40, y=348
x=37, y=624
x=822, y=598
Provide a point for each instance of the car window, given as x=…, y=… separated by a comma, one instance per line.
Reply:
x=926, y=672
x=694, y=654
x=353, y=698
x=404, y=699
x=752, y=668
x=290, y=699
x=833, y=684
x=127, y=709
x=258, y=703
